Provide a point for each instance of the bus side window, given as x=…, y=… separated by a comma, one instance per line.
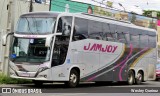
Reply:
x=121, y=37
x=67, y=29
x=59, y=27
x=61, y=43
x=80, y=30
x=95, y=30
x=109, y=36
x=143, y=40
x=123, y=34
x=60, y=50
x=109, y=32
x=64, y=24
x=134, y=38
x=152, y=39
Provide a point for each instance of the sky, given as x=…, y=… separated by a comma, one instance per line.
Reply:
x=137, y=5
x=130, y=5
x=144, y=4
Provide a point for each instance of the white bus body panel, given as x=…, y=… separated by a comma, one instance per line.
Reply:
x=94, y=59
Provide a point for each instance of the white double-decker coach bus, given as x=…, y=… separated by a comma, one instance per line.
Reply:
x=77, y=47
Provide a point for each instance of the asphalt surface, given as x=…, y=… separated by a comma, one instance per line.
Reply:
x=149, y=88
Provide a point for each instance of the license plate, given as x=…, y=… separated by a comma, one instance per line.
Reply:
x=25, y=74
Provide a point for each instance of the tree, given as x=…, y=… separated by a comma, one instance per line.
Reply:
x=109, y=4
x=148, y=13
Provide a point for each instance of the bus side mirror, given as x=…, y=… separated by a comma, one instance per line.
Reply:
x=4, y=38
x=49, y=38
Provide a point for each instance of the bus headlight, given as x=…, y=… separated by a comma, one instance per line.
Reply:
x=42, y=69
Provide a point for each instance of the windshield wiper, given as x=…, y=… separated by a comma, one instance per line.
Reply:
x=29, y=26
x=13, y=59
x=38, y=60
x=35, y=25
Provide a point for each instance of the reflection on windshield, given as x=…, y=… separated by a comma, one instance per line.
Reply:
x=35, y=25
x=29, y=50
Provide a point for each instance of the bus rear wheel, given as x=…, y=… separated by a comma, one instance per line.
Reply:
x=73, y=79
x=131, y=79
x=139, y=78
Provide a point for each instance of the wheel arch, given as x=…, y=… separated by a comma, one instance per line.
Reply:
x=132, y=71
x=142, y=71
x=74, y=77
x=131, y=76
x=75, y=68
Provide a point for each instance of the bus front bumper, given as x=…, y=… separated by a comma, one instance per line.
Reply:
x=29, y=78
x=29, y=75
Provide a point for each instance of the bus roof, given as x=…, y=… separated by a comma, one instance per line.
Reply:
x=119, y=22
x=87, y=16
x=108, y=20
x=41, y=14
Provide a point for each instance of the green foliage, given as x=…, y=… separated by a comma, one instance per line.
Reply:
x=148, y=13
x=7, y=80
x=109, y=4
x=101, y=11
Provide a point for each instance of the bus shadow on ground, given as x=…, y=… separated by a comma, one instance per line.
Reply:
x=82, y=85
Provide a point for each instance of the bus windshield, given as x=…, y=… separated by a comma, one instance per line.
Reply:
x=29, y=50
x=35, y=25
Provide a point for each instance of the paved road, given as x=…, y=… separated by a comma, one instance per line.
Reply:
x=91, y=89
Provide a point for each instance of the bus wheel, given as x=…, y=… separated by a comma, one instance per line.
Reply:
x=139, y=78
x=37, y=83
x=156, y=79
x=130, y=80
x=73, y=79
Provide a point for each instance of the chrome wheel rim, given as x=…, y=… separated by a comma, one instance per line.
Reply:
x=139, y=77
x=73, y=78
x=130, y=78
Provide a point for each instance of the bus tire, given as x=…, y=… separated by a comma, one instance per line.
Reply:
x=37, y=83
x=130, y=79
x=73, y=79
x=156, y=79
x=139, y=78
